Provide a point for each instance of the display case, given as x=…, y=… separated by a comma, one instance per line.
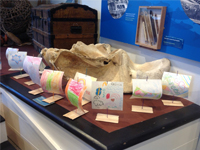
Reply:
x=150, y=26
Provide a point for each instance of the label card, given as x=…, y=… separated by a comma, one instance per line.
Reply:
x=149, y=89
x=176, y=84
x=87, y=81
x=21, y=76
x=143, y=109
x=53, y=99
x=107, y=95
x=107, y=118
x=39, y=101
x=36, y=91
x=15, y=69
x=29, y=83
x=172, y=103
x=75, y=114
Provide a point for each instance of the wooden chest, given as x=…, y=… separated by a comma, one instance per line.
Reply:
x=62, y=25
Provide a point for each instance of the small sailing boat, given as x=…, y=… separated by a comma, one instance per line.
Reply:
x=146, y=89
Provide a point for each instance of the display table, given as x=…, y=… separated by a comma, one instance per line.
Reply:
x=41, y=127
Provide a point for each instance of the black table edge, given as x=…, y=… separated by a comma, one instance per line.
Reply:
x=97, y=137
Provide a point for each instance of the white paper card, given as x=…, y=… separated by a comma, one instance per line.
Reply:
x=107, y=95
x=52, y=98
x=21, y=76
x=87, y=81
x=36, y=91
x=149, y=89
x=141, y=109
x=107, y=118
x=29, y=83
x=172, y=103
x=75, y=114
x=15, y=69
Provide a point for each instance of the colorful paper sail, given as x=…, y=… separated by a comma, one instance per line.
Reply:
x=107, y=95
x=147, y=89
x=87, y=81
x=31, y=66
x=15, y=60
x=74, y=92
x=176, y=84
x=10, y=50
x=51, y=81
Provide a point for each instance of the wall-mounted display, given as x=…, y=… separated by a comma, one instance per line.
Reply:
x=150, y=26
x=181, y=34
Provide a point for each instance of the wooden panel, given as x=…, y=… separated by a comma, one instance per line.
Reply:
x=67, y=43
x=22, y=128
x=72, y=12
x=20, y=141
x=3, y=134
x=65, y=27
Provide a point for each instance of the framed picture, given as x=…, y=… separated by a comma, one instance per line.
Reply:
x=150, y=26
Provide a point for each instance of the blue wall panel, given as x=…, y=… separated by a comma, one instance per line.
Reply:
x=177, y=24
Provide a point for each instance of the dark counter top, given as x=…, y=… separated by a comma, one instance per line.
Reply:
x=94, y=135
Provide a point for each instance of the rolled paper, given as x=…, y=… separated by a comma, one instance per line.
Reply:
x=74, y=92
x=51, y=81
x=31, y=66
x=176, y=84
x=147, y=89
x=15, y=60
x=10, y=50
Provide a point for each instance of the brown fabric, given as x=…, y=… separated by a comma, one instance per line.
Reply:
x=126, y=117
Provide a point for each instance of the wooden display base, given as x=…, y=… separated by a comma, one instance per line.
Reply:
x=52, y=99
x=84, y=102
x=29, y=83
x=172, y=103
x=143, y=109
x=36, y=91
x=21, y=76
x=75, y=114
x=107, y=118
x=15, y=69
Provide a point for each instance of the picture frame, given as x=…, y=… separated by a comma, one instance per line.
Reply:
x=150, y=26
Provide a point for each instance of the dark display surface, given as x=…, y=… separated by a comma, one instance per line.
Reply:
x=94, y=135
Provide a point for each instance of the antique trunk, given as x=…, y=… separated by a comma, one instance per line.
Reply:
x=62, y=25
